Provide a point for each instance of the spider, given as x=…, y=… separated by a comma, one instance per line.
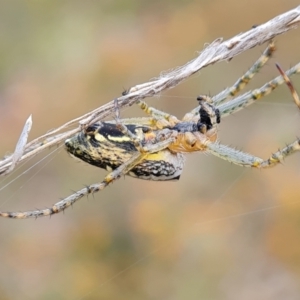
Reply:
x=154, y=147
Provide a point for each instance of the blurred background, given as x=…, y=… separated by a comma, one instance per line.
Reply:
x=221, y=232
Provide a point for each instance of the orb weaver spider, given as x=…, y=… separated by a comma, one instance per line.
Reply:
x=153, y=148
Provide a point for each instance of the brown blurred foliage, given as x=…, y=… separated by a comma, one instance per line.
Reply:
x=221, y=232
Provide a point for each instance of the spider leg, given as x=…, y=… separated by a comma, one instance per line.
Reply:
x=158, y=115
x=152, y=111
x=155, y=113
x=245, y=79
x=250, y=97
x=247, y=160
x=134, y=138
x=221, y=97
x=111, y=177
x=242, y=81
x=136, y=141
x=159, y=119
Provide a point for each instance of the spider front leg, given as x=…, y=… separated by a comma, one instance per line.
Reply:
x=251, y=97
x=242, y=81
x=245, y=79
x=248, y=160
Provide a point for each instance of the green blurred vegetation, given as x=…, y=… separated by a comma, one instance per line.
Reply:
x=221, y=232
